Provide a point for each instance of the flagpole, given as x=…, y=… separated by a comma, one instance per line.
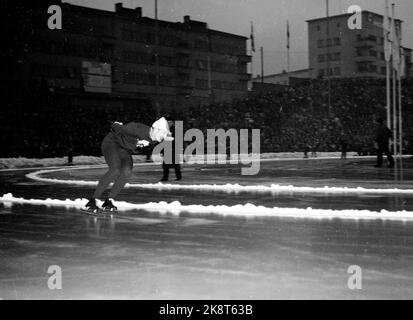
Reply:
x=252, y=50
x=262, y=65
x=252, y=65
x=328, y=57
x=400, y=117
x=288, y=53
x=400, y=74
x=388, y=100
x=394, y=112
x=157, y=106
x=210, y=95
x=209, y=77
x=388, y=94
x=394, y=92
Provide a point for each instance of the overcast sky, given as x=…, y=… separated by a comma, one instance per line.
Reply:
x=269, y=19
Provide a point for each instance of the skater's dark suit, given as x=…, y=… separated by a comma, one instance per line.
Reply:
x=383, y=135
x=174, y=161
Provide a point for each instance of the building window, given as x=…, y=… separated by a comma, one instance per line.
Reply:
x=321, y=72
x=139, y=78
x=383, y=70
x=337, y=71
x=373, y=53
x=106, y=52
x=363, y=67
x=132, y=35
x=166, y=81
x=372, y=38
x=169, y=41
x=338, y=24
x=370, y=18
x=360, y=53
x=321, y=58
x=150, y=38
x=166, y=61
x=318, y=28
x=201, y=44
x=329, y=42
x=201, y=64
x=320, y=43
x=337, y=56
x=337, y=41
x=201, y=84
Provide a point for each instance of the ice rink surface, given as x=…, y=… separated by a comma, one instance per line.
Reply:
x=144, y=254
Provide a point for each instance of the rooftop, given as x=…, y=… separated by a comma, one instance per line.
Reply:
x=347, y=15
x=136, y=15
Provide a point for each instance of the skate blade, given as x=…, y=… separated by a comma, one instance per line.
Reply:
x=95, y=212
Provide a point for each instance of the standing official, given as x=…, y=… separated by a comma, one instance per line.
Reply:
x=383, y=136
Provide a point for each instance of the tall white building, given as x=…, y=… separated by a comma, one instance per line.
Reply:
x=338, y=51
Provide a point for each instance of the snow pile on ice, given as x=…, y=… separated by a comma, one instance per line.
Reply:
x=12, y=163
x=267, y=156
x=273, y=188
x=247, y=210
x=21, y=162
x=228, y=188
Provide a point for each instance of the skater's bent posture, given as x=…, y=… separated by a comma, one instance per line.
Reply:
x=117, y=148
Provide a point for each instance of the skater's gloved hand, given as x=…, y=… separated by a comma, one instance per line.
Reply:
x=142, y=143
x=117, y=122
x=169, y=138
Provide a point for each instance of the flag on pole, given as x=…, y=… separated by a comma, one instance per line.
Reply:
x=387, y=33
x=252, y=38
x=402, y=62
x=396, y=46
x=288, y=35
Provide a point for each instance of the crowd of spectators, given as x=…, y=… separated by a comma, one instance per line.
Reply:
x=52, y=128
x=299, y=117
x=292, y=119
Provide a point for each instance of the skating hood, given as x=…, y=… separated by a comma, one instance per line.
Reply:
x=159, y=130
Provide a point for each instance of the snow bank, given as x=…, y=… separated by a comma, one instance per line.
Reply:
x=247, y=210
x=12, y=163
x=228, y=188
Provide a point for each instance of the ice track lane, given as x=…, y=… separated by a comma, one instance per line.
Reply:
x=165, y=253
